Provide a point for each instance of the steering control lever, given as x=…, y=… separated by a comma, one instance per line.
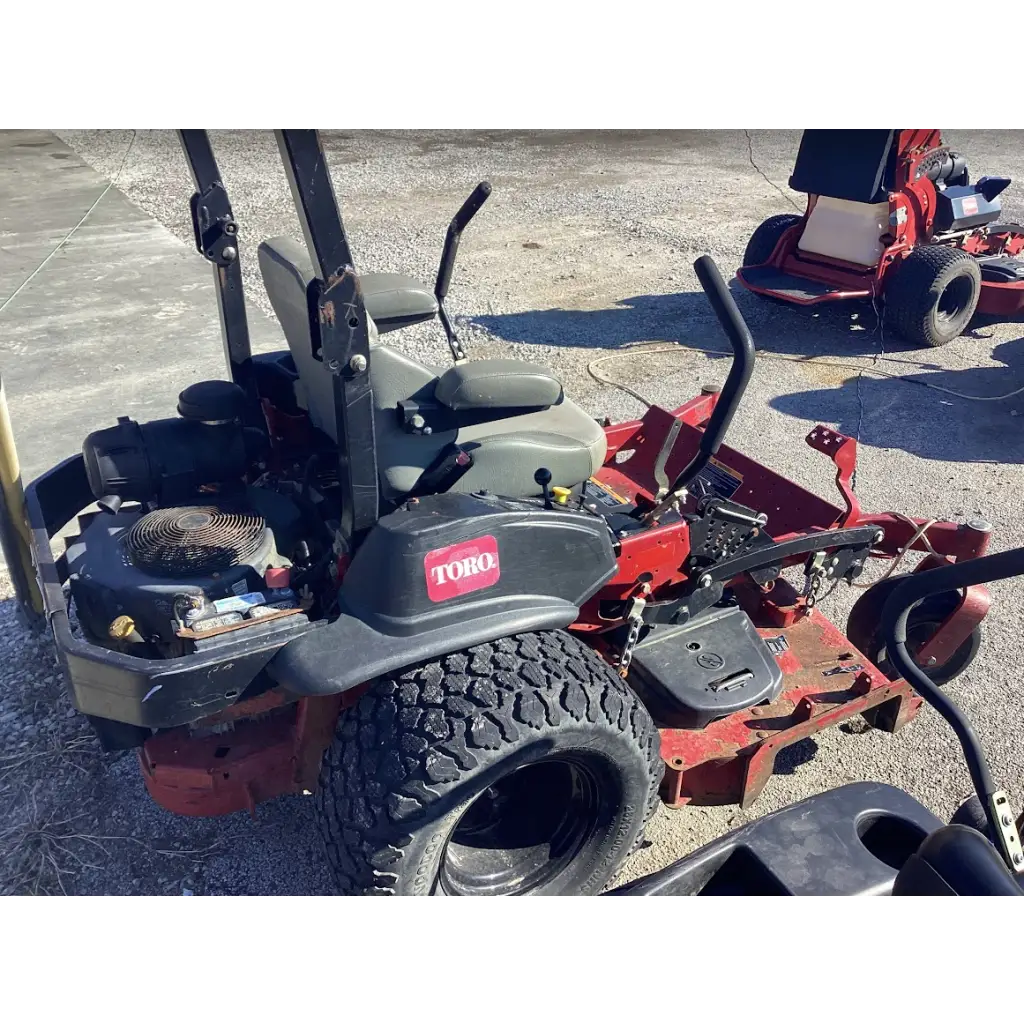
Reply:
x=895, y=614
x=742, y=367
x=466, y=213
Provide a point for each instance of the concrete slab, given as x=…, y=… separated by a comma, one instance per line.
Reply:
x=118, y=322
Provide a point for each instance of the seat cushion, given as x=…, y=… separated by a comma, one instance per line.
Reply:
x=498, y=384
x=507, y=450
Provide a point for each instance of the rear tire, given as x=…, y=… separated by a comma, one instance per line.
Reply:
x=525, y=765
x=932, y=295
x=766, y=236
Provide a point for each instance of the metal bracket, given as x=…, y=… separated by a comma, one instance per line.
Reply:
x=635, y=618
x=726, y=530
x=777, y=554
x=342, y=326
x=660, y=476
x=1007, y=837
x=213, y=225
x=842, y=450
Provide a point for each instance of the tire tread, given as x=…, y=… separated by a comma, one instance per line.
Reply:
x=415, y=732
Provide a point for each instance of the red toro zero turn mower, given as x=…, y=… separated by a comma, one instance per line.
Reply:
x=484, y=629
x=891, y=216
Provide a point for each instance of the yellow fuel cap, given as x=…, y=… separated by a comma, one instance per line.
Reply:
x=561, y=494
x=121, y=627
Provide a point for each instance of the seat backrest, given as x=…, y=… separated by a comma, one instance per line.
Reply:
x=287, y=273
x=854, y=164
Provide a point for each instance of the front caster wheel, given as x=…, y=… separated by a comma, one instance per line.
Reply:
x=862, y=628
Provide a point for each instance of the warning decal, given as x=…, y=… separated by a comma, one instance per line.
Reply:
x=717, y=478
x=604, y=494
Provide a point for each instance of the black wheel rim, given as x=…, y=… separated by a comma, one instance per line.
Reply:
x=523, y=831
x=955, y=299
x=918, y=634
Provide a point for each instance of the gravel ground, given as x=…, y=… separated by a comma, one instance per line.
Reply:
x=586, y=246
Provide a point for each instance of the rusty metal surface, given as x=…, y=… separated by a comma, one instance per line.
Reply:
x=827, y=680
x=260, y=758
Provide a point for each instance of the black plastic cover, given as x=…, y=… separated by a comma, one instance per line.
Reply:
x=961, y=207
x=956, y=861
x=212, y=401
x=443, y=573
x=714, y=665
x=105, y=583
x=849, y=841
x=858, y=165
x=1002, y=270
x=163, y=460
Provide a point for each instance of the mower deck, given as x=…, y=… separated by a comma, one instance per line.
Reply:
x=1002, y=286
x=826, y=681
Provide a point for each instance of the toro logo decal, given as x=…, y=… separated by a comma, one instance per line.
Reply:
x=970, y=206
x=461, y=568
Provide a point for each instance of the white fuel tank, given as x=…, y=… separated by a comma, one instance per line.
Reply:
x=846, y=231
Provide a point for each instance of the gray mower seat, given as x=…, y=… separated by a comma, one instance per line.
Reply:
x=510, y=415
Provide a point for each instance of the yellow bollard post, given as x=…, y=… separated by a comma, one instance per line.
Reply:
x=14, y=530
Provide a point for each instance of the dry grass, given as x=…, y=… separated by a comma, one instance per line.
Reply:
x=43, y=849
x=59, y=752
x=40, y=852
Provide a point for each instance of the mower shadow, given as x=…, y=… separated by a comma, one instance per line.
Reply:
x=955, y=429
x=687, y=319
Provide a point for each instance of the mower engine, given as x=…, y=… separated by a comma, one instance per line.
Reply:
x=197, y=553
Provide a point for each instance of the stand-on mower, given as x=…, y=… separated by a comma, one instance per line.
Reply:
x=869, y=839
x=891, y=217
x=482, y=628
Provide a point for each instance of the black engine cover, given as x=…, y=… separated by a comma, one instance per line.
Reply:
x=105, y=583
x=109, y=577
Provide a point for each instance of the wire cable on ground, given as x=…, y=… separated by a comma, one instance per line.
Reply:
x=812, y=360
x=64, y=241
